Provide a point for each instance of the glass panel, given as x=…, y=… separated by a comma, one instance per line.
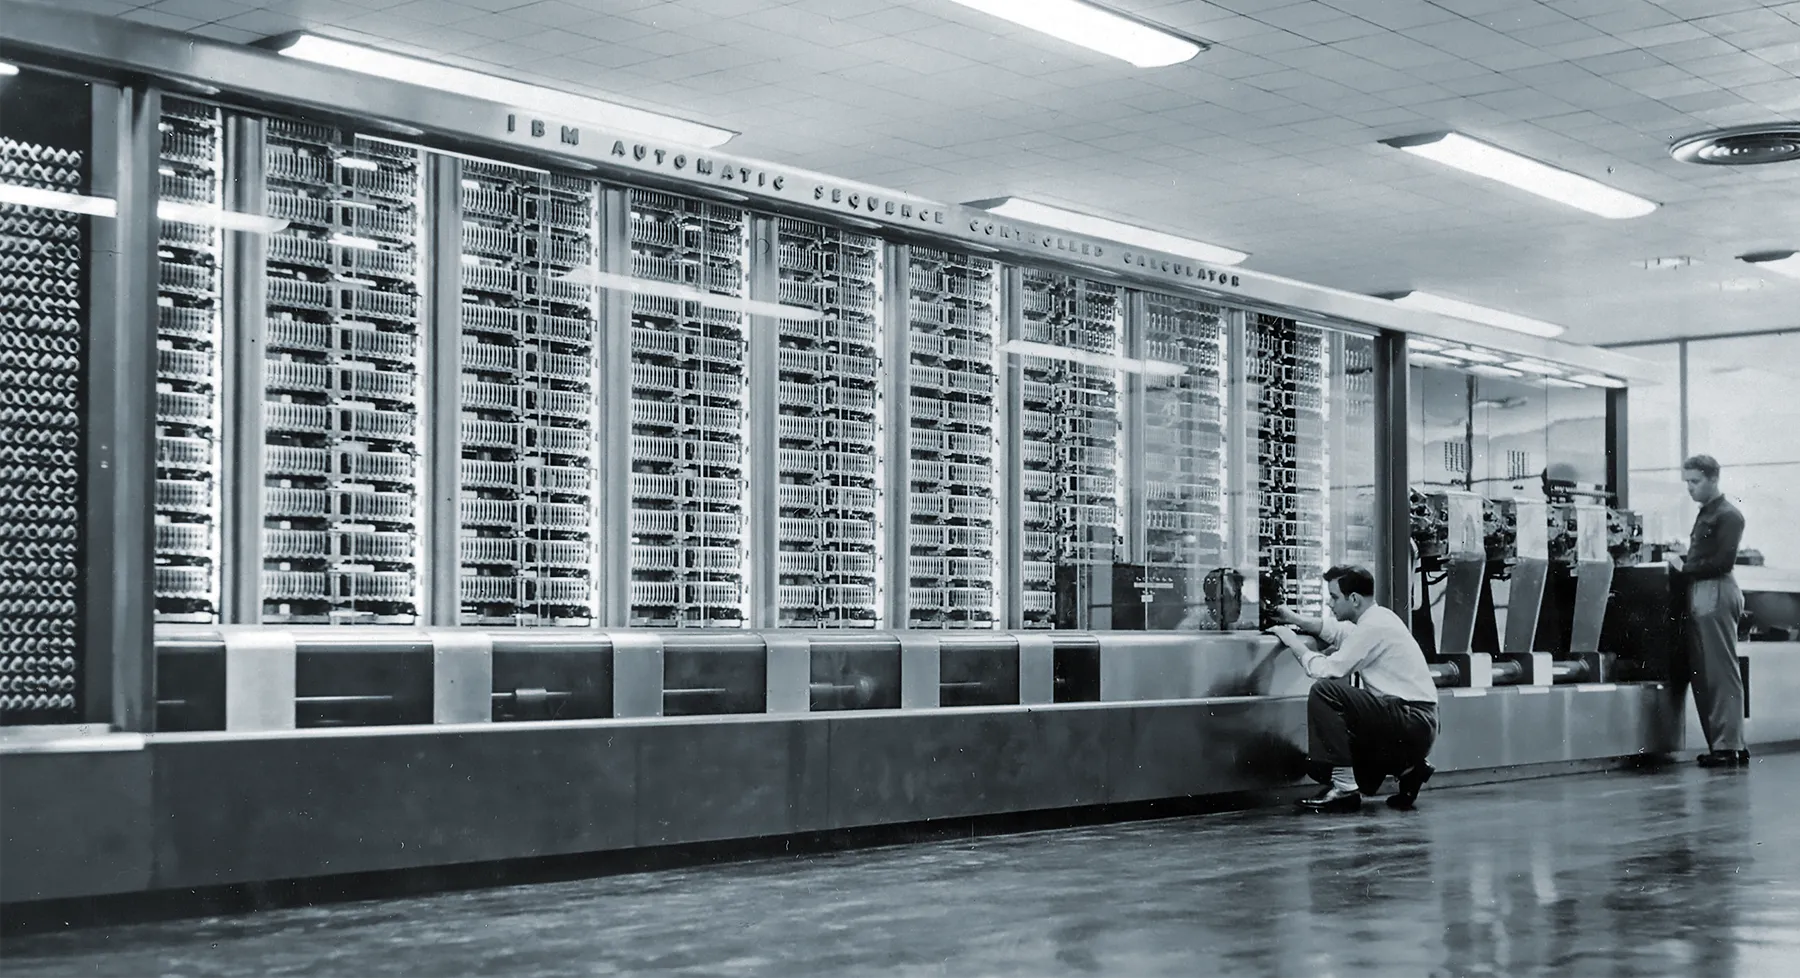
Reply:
x=952, y=428
x=1653, y=412
x=1186, y=569
x=1742, y=403
x=1509, y=437
x=1350, y=450
x=188, y=337
x=529, y=358
x=45, y=134
x=688, y=418
x=1069, y=448
x=1285, y=371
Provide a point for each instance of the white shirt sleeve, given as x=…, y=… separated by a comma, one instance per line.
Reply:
x=1354, y=648
x=1333, y=632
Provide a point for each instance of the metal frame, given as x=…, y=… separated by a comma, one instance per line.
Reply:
x=1618, y=451
x=1393, y=493
x=614, y=242
x=244, y=356
x=762, y=369
x=1009, y=494
x=1131, y=435
x=118, y=527
x=896, y=374
x=440, y=581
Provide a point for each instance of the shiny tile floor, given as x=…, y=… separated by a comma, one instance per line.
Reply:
x=1671, y=872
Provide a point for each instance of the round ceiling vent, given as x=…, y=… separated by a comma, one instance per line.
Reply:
x=1777, y=142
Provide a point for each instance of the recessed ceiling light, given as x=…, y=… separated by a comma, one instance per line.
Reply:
x=554, y=102
x=1559, y=382
x=1093, y=27
x=1021, y=209
x=1598, y=380
x=1431, y=360
x=1781, y=262
x=1474, y=313
x=1490, y=161
x=1489, y=370
x=1534, y=367
x=1413, y=343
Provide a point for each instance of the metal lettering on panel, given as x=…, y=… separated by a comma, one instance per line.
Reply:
x=341, y=508
x=1187, y=573
x=951, y=412
x=830, y=488
x=44, y=145
x=1069, y=448
x=1285, y=366
x=688, y=419
x=528, y=398
x=188, y=380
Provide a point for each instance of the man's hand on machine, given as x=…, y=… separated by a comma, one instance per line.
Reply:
x=1291, y=639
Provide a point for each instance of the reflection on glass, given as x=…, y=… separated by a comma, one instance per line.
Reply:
x=1186, y=579
x=1350, y=449
x=1286, y=370
x=1069, y=449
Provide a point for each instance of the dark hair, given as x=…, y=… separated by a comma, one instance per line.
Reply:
x=1352, y=579
x=1706, y=465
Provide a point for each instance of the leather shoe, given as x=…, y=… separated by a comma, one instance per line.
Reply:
x=1332, y=801
x=1411, y=780
x=1724, y=758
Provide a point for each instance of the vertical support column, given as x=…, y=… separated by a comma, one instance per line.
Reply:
x=244, y=356
x=443, y=392
x=1240, y=452
x=897, y=380
x=1131, y=441
x=921, y=671
x=1618, y=448
x=788, y=674
x=118, y=532
x=613, y=253
x=1393, y=501
x=1010, y=493
x=1683, y=351
x=1037, y=669
x=762, y=365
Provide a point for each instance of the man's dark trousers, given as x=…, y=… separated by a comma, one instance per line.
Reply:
x=1378, y=735
x=1714, y=606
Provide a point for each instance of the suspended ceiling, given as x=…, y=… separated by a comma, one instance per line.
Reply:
x=1268, y=142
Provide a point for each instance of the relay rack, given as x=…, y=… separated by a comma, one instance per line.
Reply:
x=951, y=409
x=341, y=420
x=1183, y=463
x=1286, y=368
x=188, y=382
x=43, y=328
x=829, y=463
x=1069, y=446
x=529, y=409
x=688, y=422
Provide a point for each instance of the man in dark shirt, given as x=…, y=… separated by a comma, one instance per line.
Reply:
x=1714, y=606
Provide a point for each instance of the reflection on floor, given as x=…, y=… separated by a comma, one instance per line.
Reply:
x=1671, y=872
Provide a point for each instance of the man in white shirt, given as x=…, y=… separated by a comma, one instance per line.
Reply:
x=1386, y=726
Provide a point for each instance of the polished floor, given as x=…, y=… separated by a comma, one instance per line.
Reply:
x=1668, y=872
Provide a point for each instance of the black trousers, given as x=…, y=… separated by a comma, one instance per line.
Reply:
x=1374, y=734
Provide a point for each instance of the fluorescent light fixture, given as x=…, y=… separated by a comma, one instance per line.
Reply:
x=1021, y=209
x=1490, y=161
x=1489, y=370
x=1092, y=27
x=1559, y=382
x=8, y=69
x=174, y=210
x=56, y=200
x=1431, y=360
x=1598, y=380
x=1444, y=305
x=1425, y=346
x=592, y=275
x=1780, y=262
x=353, y=163
x=1105, y=361
x=352, y=241
x=1534, y=367
x=1473, y=356
x=562, y=105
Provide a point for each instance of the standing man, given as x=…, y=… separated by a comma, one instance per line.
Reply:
x=1714, y=606
x=1388, y=725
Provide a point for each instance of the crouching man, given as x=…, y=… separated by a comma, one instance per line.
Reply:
x=1386, y=726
